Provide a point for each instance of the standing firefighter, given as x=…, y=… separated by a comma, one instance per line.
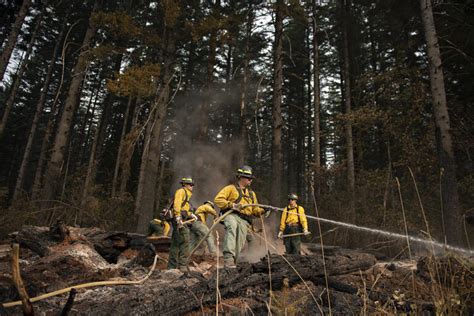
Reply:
x=236, y=197
x=293, y=221
x=179, y=249
x=199, y=228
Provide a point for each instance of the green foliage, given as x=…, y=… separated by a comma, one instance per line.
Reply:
x=137, y=81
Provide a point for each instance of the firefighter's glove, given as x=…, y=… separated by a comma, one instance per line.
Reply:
x=237, y=207
x=179, y=222
x=194, y=217
x=306, y=232
x=280, y=235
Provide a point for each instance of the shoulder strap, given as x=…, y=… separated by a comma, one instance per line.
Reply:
x=241, y=194
x=239, y=190
x=252, y=196
x=186, y=198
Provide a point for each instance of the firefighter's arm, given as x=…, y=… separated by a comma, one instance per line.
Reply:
x=201, y=213
x=222, y=198
x=210, y=210
x=303, y=220
x=179, y=197
x=283, y=220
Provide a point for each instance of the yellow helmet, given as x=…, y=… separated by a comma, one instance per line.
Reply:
x=292, y=196
x=246, y=172
x=187, y=180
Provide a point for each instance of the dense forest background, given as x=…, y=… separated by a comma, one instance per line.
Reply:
x=104, y=105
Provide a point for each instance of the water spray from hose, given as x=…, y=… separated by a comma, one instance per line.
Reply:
x=377, y=231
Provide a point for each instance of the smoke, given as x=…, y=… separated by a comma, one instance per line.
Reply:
x=209, y=162
x=213, y=163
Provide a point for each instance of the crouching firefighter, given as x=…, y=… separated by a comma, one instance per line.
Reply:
x=293, y=221
x=158, y=227
x=182, y=218
x=199, y=228
x=237, y=224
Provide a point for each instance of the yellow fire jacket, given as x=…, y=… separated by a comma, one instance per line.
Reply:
x=205, y=210
x=179, y=199
x=289, y=217
x=229, y=194
x=164, y=224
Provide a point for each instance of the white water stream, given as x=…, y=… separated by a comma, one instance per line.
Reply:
x=380, y=232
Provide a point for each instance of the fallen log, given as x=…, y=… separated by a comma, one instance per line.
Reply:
x=170, y=292
x=109, y=244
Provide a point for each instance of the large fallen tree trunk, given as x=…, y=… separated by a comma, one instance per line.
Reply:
x=109, y=244
x=170, y=292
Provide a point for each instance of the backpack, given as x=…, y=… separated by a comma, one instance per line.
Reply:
x=166, y=214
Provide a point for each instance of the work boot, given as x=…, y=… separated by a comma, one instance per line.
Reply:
x=229, y=263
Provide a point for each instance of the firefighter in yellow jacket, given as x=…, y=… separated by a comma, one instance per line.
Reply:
x=158, y=227
x=179, y=249
x=293, y=221
x=236, y=197
x=199, y=228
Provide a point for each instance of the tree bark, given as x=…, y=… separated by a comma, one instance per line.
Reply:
x=277, y=154
x=347, y=106
x=53, y=171
x=39, y=112
x=450, y=197
x=11, y=42
x=24, y=66
x=125, y=164
x=120, y=149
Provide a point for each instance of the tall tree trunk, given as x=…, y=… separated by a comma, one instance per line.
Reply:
x=92, y=164
x=88, y=121
x=39, y=112
x=450, y=197
x=159, y=186
x=11, y=42
x=277, y=154
x=243, y=135
x=24, y=66
x=211, y=62
x=53, y=171
x=120, y=149
x=97, y=145
x=347, y=106
x=146, y=195
x=316, y=103
x=125, y=164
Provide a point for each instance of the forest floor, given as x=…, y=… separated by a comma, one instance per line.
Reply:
x=345, y=282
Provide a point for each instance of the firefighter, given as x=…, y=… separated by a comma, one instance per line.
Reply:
x=158, y=227
x=237, y=196
x=179, y=249
x=293, y=221
x=199, y=228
